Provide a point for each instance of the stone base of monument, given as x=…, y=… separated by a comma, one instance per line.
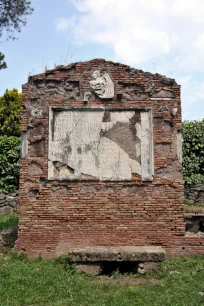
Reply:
x=107, y=259
x=93, y=269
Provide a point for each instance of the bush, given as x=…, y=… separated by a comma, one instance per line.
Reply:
x=9, y=163
x=10, y=107
x=193, y=151
x=7, y=221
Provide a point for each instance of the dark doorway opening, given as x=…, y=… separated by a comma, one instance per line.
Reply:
x=123, y=267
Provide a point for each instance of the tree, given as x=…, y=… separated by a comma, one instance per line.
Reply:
x=193, y=151
x=2, y=62
x=13, y=15
x=10, y=107
x=9, y=163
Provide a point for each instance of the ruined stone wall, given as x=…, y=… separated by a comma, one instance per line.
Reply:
x=8, y=238
x=65, y=209
x=8, y=202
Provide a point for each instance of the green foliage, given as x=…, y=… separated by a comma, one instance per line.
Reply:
x=12, y=17
x=193, y=151
x=10, y=106
x=8, y=220
x=179, y=282
x=2, y=62
x=9, y=162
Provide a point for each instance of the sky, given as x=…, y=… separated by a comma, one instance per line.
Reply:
x=159, y=36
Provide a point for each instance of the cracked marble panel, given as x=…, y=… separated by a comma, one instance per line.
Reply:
x=96, y=144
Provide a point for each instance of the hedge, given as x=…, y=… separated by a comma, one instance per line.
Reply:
x=193, y=151
x=9, y=163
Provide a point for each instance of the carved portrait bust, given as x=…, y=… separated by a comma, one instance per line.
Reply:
x=102, y=86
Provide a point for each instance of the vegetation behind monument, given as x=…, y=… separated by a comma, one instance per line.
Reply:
x=12, y=17
x=193, y=151
x=10, y=106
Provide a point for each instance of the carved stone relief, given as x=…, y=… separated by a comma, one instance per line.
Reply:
x=102, y=86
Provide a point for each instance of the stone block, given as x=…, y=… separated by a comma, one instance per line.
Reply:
x=10, y=198
x=35, y=169
x=37, y=148
x=14, y=194
x=2, y=196
x=146, y=267
x=12, y=203
x=9, y=237
x=5, y=210
x=120, y=253
x=93, y=269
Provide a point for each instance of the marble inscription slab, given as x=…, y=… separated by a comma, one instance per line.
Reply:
x=95, y=144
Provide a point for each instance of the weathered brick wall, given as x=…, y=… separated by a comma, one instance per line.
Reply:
x=55, y=215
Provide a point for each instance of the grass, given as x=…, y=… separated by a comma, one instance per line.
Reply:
x=8, y=220
x=53, y=283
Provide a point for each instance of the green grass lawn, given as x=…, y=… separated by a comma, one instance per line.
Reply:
x=53, y=283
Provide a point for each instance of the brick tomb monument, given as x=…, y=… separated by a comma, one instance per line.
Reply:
x=101, y=174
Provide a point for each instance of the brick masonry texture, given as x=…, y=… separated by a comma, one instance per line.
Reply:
x=55, y=215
